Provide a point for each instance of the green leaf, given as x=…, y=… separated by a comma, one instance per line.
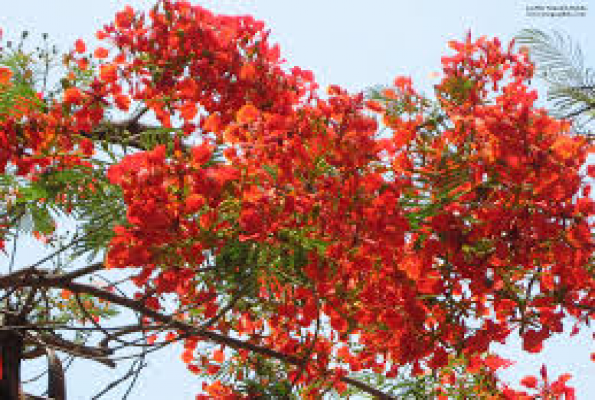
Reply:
x=560, y=63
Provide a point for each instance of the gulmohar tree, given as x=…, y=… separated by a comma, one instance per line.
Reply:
x=299, y=244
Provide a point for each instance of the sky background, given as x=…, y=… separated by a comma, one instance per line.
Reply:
x=356, y=44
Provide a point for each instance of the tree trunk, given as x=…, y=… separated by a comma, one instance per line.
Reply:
x=11, y=350
x=56, y=384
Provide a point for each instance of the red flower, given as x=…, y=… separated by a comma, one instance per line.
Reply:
x=123, y=102
x=5, y=75
x=529, y=381
x=248, y=113
x=79, y=46
x=219, y=356
x=194, y=203
x=124, y=18
x=73, y=95
x=108, y=73
x=495, y=362
x=101, y=52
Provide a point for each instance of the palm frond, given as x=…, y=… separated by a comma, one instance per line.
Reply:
x=560, y=63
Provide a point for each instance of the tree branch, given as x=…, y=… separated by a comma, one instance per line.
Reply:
x=79, y=350
x=75, y=287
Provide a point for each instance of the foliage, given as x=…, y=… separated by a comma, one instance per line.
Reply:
x=560, y=63
x=295, y=250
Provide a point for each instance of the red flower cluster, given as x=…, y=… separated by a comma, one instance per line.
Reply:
x=470, y=220
x=406, y=241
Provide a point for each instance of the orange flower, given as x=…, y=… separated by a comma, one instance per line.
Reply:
x=73, y=95
x=122, y=102
x=108, y=73
x=247, y=72
x=124, y=18
x=529, y=381
x=374, y=106
x=101, y=35
x=188, y=356
x=194, y=203
x=5, y=75
x=79, y=46
x=565, y=147
x=101, y=52
x=212, y=123
x=219, y=356
x=188, y=110
x=83, y=63
x=411, y=266
x=248, y=113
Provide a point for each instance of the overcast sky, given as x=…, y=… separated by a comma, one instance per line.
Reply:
x=353, y=43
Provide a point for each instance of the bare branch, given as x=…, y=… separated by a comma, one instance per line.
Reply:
x=66, y=346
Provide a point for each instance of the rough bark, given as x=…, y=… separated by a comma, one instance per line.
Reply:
x=11, y=348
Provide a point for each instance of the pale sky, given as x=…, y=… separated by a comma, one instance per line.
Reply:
x=355, y=44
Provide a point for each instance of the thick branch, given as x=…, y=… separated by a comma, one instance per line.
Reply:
x=13, y=279
x=76, y=349
x=69, y=276
x=127, y=133
x=79, y=288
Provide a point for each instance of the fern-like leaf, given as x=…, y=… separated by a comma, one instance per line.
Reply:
x=560, y=63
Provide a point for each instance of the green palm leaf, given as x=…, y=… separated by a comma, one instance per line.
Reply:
x=560, y=63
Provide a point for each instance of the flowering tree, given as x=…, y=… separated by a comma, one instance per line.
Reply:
x=296, y=248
